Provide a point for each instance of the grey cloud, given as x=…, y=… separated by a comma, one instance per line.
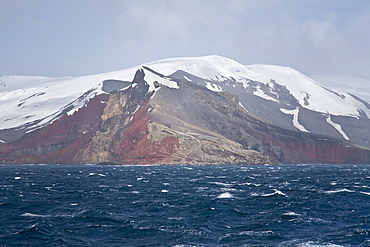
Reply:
x=167, y=28
x=314, y=36
x=249, y=31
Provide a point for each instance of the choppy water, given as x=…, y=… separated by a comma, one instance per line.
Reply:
x=286, y=205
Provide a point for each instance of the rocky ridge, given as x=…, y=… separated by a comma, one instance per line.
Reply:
x=167, y=115
x=185, y=125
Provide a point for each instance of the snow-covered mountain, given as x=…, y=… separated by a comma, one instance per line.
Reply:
x=353, y=84
x=32, y=102
x=278, y=95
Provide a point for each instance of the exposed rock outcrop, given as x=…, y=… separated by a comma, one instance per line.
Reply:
x=129, y=135
x=58, y=142
x=189, y=125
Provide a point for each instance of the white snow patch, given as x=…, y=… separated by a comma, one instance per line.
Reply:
x=78, y=103
x=242, y=106
x=321, y=99
x=186, y=78
x=354, y=84
x=213, y=87
x=151, y=77
x=295, y=114
x=33, y=98
x=338, y=127
x=208, y=67
x=262, y=94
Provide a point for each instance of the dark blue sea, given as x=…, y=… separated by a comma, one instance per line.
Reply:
x=87, y=205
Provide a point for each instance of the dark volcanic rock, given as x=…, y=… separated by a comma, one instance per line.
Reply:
x=189, y=125
x=221, y=114
x=113, y=85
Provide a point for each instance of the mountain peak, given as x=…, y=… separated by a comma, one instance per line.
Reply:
x=189, y=98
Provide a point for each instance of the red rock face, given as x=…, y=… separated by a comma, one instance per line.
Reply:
x=319, y=152
x=136, y=147
x=68, y=139
x=303, y=148
x=60, y=141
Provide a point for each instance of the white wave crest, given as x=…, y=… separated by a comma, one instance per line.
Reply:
x=277, y=192
x=316, y=244
x=291, y=214
x=225, y=195
x=338, y=191
x=34, y=215
x=222, y=184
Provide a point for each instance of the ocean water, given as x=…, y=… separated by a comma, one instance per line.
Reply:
x=86, y=205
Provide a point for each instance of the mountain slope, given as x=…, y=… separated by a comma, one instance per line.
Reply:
x=356, y=85
x=188, y=110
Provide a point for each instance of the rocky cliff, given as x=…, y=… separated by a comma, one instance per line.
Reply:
x=155, y=124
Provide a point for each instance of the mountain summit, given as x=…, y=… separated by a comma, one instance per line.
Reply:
x=206, y=110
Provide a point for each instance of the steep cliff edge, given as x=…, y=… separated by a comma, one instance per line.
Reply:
x=135, y=137
x=58, y=142
x=221, y=113
x=121, y=127
x=151, y=123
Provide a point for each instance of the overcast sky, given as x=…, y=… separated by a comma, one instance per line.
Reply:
x=82, y=37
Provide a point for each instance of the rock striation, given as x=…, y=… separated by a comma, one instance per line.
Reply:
x=144, y=124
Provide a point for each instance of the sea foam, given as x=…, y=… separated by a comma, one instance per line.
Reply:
x=225, y=195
